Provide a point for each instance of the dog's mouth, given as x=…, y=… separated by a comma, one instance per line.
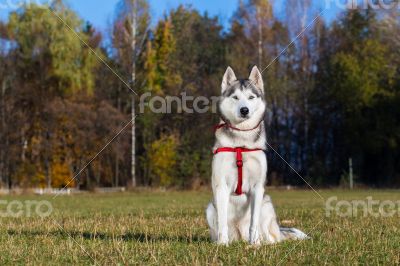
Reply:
x=242, y=118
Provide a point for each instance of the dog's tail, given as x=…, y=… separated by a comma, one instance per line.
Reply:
x=292, y=234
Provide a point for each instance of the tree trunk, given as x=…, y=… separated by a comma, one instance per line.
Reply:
x=260, y=42
x=47, y=160
x=133, y=46
x=116, y=180
x=98, y=176
x=2, y=134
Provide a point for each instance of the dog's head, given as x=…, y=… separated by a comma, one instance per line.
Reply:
x=242, y=99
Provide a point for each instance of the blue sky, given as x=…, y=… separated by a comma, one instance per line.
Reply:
x=100, y=12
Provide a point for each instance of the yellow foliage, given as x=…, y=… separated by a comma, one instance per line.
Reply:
x=162, y=159
x=28, y=174
x=61, y=175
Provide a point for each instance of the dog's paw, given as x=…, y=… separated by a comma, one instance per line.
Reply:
x=223, y=240
x=255, y=237
x=253, y=247
x=223, y=243
x=256, y=242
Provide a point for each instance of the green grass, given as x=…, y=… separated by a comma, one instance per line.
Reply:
x=169, y=228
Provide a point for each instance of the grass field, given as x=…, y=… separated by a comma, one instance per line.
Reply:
x=169, y=228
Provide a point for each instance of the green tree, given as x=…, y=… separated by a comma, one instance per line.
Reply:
x=50, y=62
x=63, y=63
x=360, y=84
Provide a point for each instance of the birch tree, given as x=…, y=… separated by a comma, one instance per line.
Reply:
x=130, y=32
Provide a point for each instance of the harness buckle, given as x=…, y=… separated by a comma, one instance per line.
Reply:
x=239, y=163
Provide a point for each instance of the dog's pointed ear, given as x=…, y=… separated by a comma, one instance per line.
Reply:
x=256, y=78
x=228, y=79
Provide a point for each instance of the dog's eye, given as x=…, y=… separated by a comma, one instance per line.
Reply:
x=235, y=97
x=251, y=97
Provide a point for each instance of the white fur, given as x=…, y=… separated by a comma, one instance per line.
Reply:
x=250, y=216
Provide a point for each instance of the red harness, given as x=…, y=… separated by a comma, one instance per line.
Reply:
x=239, y=157
x=239, y=163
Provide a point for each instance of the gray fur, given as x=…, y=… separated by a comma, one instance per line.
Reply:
x=242, y=84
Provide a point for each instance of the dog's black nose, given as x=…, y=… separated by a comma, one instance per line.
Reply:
x=244, y=111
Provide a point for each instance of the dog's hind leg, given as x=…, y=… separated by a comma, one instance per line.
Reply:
x=211, y=214
x=270, y=231
x=244, y=226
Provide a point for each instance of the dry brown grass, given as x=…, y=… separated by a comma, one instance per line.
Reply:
x=169, y=228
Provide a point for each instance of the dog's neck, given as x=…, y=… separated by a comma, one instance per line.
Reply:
x=249, y=134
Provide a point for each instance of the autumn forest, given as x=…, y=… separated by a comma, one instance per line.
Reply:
x=67, y=90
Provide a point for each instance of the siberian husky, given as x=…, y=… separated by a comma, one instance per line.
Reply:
x=240, y=210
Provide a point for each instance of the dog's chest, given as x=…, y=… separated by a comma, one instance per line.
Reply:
x=254, y=170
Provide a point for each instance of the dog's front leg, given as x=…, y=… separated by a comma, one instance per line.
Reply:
x=221, y=201
x=256, y=204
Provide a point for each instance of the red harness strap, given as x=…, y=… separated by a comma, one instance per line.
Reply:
x=239, y=163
